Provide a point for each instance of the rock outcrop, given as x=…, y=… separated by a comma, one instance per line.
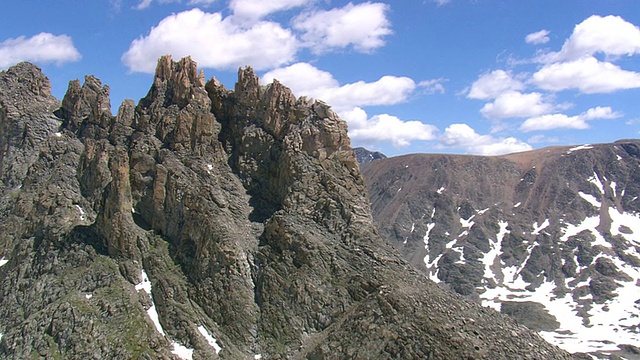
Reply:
x=207, y=223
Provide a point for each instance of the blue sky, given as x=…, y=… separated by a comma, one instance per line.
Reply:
x=452, y=76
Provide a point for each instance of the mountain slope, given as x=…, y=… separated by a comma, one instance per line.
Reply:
x=550, y=236
x=205, y=223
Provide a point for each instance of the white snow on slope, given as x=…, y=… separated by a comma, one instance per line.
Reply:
x=537, y=228
x=590, y=199
x=581, y=147
x=3, y=261
x=628, y=220
x=616, y=321
x=82, y=213
x=596, y=181
x=589, y=224
x=210, y=339
x=145, y=285
x=495, y=250
x=181, y=351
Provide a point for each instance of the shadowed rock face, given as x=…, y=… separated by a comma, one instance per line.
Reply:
x=552, y=235
x=206, y=223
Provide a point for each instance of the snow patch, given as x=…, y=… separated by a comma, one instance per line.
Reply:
x=88, y=296
x=58, y=134
x=517, y=204
x=441, y=190
x=581, y=147
x=210, y=339
x=590, y=199
x=3, y=261
x=589, y=224
x=145, y=285
x=480, y=212
x=467, y=223
x=537, y=229
x=596, y=181
x=629, y=221
x=82, y=213
x=181, y=351
x=613, y=187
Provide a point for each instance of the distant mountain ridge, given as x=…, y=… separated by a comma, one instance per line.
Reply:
x=551, y=236
x=364, y=156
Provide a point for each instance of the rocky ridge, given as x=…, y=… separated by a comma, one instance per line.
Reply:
x=207, y=223
x=551, y=236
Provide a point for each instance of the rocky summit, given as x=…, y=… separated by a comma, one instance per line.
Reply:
x=550, y=237
x=208, y=223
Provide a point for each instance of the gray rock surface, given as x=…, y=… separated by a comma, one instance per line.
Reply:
x=207, y=223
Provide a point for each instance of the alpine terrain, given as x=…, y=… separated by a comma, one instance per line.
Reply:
x=205, y=223
x=550, y=237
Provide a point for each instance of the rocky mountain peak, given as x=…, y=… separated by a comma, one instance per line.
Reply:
x=178, y=82
x=204, y=223
x=87, y=105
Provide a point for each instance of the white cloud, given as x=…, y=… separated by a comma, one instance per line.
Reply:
x=362, y=26
x=143, y=4
x=386, y=128
x=562, y=121
x=305, y=79
x=587, y=74
x=491, y=85
x=610, y=35
x=539, y=37
x=257, y=9
x=204, y=3
x=43, y=47
x=213, y=42
x=513, y=104
x=433, y=86
x=463, y=136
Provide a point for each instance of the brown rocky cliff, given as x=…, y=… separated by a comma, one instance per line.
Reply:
x=247, y=211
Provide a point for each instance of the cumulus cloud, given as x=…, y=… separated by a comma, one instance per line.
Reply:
x=610, y=35
x=513, y=104
x=213, y=42
x=257, y=9
x=562, y=121
x=386, y=128
x=346, y=100
x=361, y=26
x=464, y=136
x=43, y=47
x=305, y=79
x=539, y=37
x=587, y=74
x=491, y=85
x=575, y=65
x=433, y=86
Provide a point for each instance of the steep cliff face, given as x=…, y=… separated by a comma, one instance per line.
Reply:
x=549, y=236
x=205, y=223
